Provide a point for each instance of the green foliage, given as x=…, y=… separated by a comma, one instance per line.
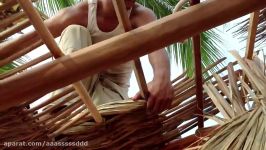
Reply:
x=14, y=64
x=51, y=7
x=182, y=53
x=8, y=67
x=240, y=29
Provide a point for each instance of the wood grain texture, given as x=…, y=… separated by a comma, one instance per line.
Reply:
x=252, y=31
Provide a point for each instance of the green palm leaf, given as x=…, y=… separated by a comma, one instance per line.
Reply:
x=241, y=29
x=51, y=7
x=182, y=53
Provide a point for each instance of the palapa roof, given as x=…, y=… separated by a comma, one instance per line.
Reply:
x=116, y=125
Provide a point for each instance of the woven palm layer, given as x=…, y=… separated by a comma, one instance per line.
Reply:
x=126, y=124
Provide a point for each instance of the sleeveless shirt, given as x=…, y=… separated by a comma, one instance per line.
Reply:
x=119, y=74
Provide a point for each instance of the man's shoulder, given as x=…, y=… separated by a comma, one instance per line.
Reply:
x=142, y=15
x=75, y=14
x=141, y=10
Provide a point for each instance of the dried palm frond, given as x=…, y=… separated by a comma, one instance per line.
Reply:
x=243, y=127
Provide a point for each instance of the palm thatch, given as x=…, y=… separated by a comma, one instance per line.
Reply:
x=242, y=103
x=126, y=124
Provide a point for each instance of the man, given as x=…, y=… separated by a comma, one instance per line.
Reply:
x=92, y=21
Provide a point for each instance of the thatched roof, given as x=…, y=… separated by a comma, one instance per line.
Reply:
x=121, y=124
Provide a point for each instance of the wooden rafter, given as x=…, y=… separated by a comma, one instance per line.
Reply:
x=198, y=73
x=252, y=31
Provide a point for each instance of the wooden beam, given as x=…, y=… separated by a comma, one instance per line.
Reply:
x=8, y=48
x=14, y=29
x=18, y=53
x=131, y=45
x=196, y=40
x=123, y=18
x=38, y=24
x=25, y=66
x=48, y=39
x=9, y=20
x=8, y=5
x=252, y=32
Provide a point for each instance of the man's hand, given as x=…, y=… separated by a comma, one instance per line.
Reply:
x=160, y=95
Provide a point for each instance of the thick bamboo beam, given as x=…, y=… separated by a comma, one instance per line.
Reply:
x=125, y=47
x=123, y=18
x=48, y=39
x=40, y=27
x=252, y=31
x=198, y=69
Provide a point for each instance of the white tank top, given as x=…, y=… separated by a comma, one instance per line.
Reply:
x=119, y=74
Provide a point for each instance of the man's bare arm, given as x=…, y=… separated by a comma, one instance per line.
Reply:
x=160, y=89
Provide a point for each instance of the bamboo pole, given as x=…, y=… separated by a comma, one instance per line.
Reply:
x=25, y=66
x=20, y=53
x=8, y=21
x=14, y=29
x=51, y=99
x=252, y=31
x=48, y=39
x=123, y=18
x=65, y=120
x=67, y=111
x=129, y=46
x=196, y=40
x=68, y=124
x=48, y=110
x=8, y=4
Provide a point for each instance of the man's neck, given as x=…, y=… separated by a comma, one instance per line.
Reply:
x=105, y=10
